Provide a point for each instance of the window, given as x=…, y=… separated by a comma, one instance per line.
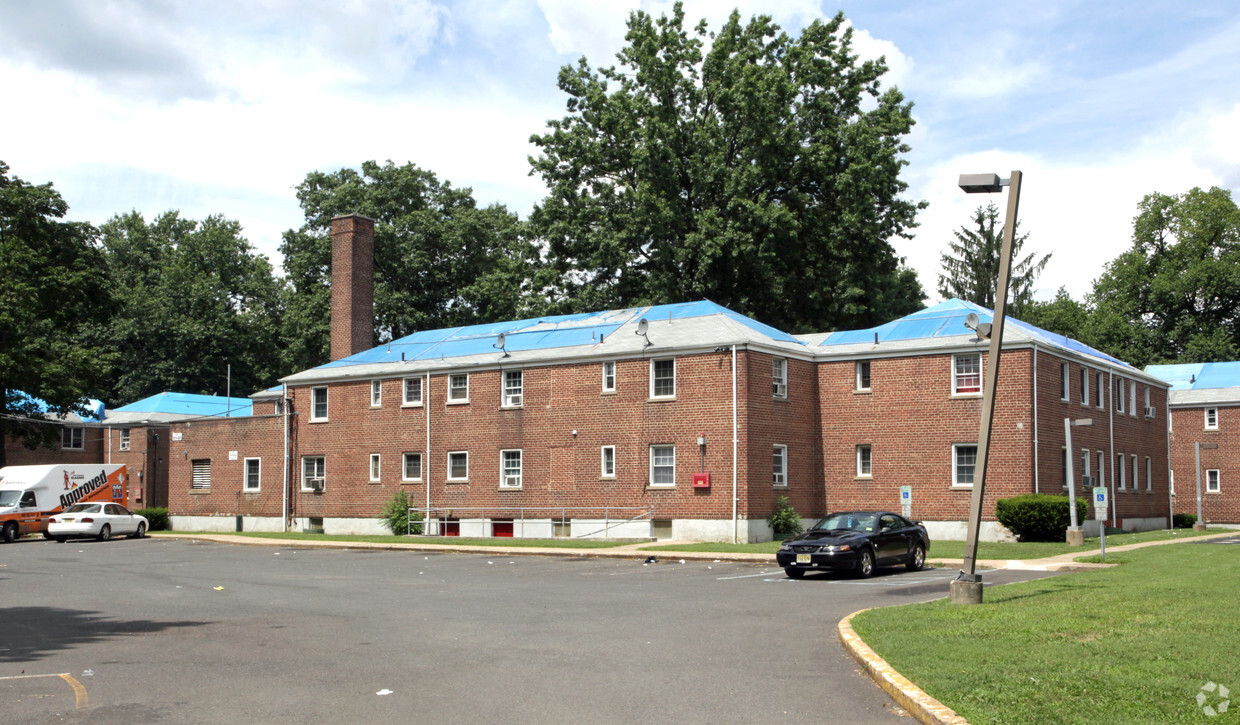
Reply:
x=1063, y=467
x=779, y=465
x=375, y=468
x=1099, y=391
x=1102, y=468
x=1121, y=477
x=1132, y=397
x=967, y=377
x=510, y=469
x=609, y=377
x=1149, y=476
x=864, y=469
x=662, y=465
x=318, y=404
x=412, y=468
x=1084, y=386
x=1136, y=483
x=1147, y=398
x=964, y=463
x=376, y=393
x=253, y=474
x=513, y=380
x=280, y=406
x=1171, y=482
x=313, y=473
x=663, y=378
x=1211, y=420
x=200, y=474
x=71, y=438
x=458, y=388
x=458, y=466
x=863, y=375
x=608, y=462
x=413, y=391
x=779, y=378
x=1065, y=391
x=124, y=439
x=1118, y=398
x=1212, y=482
x=1084, y=465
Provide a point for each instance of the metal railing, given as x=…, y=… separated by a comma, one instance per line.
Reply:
x=519, y=515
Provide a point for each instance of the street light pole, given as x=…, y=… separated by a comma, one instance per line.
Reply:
x=967, y=587
x=1075, y=535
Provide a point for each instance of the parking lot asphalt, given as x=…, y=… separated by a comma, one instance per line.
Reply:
x=181, y=631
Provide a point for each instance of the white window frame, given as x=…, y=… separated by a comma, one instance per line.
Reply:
x=448, y=473
x=1118, y=400
x=1084, y=464
x=609, y=376
x=863, y=382
x=314, y=403
x=1084, y=385
x=504, y=469
x=654, y=362
x=72, y=438
x=513, y=394
x=1063, y=467
x=1132, y=398
x=376, y=393
x=1065, y=382
x=1100, y=390
x=1102, y=468
x=957, y=375
x=124, y=439
x=607, y=462
x=1121, y=475
x=404, y=467
x=956, y=464
x=245, y=475
x=453, y=398
x=322, y=464
x=1211, y=418
x=412, y=401
x=779, y=465
x=376, y=467
x=779, y=378
x=865, y=461
x=1215, y=486
x=655, y=448
x=1136, y=476
x=1149, y=475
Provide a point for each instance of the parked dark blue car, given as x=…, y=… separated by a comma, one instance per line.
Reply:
x=856, y=541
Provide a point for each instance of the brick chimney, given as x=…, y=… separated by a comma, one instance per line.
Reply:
x=353, y=285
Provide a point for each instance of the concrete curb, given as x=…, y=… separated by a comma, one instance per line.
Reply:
x=911, y=697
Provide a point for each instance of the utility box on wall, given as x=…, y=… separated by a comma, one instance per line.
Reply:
x=701, y=480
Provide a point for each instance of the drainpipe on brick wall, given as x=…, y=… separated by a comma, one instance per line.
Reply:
x=1170, y=500
x=1035, y=419
x=286, y=408
x=426, y=457
x=1111, y=453
x=734, y=445
x=110, y=445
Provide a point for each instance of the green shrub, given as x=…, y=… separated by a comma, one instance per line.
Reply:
x=397, y=517
x=156, y=519
x=1038, y=516
x=785, y=521
x=1183, y=521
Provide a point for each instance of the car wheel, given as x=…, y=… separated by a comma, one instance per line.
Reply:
x=917, y=559
x=793, y=572
x=865, y=563
x=10, y=532
x=105, y=533
x=61, y=539
x=141, y=530
x=47, y=535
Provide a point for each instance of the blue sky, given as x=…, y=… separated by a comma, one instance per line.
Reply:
x=223, y=107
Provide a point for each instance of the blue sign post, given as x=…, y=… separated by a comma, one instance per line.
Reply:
x=1100, y=513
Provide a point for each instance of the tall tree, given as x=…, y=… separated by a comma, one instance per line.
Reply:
x=52, y=283
x=440, y=261
x=194, y=299
x=971, y=268
x=1174, y=296
x=763, y=174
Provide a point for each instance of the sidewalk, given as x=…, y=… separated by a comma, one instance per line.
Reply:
x=1066, y=562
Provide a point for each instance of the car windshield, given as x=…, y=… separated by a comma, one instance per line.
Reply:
x=850, y=521
x=10, y=498
x=82, y=508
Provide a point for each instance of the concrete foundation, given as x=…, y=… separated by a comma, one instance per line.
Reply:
x=1075, y=537
x=962, y=592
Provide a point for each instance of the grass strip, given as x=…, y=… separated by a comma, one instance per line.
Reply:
x=420, y=540
x=1130, y=644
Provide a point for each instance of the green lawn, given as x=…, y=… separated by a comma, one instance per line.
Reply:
x=564, y=543
x=1132, y=644
x=1038, y=550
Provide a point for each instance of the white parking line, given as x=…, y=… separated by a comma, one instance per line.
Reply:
x=744, y=576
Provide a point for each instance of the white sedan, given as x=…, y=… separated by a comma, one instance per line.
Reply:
x=98, y=520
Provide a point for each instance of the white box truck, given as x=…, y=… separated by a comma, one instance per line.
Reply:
x=30, y=495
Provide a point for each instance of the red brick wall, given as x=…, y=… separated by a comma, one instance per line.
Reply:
x=256, y=437
x=92, y=451
x=1188, y=429
x=791, y=422
x=353, y=282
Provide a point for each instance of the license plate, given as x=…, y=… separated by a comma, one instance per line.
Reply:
x=803, y=558
x=67, y=521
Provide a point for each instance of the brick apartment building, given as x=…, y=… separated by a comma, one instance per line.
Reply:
x=1205, y=408
x=80, y=439
x=683, y=420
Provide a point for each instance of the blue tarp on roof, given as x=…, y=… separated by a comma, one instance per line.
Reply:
x=540, y=333
x=946, y=319
x=190, y=405
x=94, y=408
x=1198, y=376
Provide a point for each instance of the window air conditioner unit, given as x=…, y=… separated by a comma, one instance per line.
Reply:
x=1088, y=480
x=514, y=401
x=512, y=481
x=1150, y=411
x=315, y=484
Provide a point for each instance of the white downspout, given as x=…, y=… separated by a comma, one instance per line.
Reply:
x=426, y=458
x=1170, y=499
x=284, y=407
x=1111, y=453
x=1035, y=420
x=109, y=444
x=735, y=443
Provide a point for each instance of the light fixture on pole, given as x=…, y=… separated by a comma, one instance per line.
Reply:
x=967, y=587
x=1200, y=524
x=1075, y=535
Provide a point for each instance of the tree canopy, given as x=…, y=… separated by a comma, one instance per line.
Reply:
x=440, y=261
x=971, y=267
x=52, y=284
x=763, y=173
